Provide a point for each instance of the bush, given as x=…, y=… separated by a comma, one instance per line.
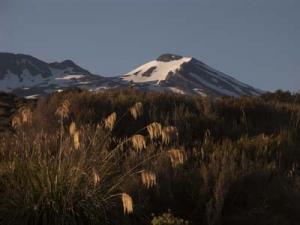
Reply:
x=168, y=219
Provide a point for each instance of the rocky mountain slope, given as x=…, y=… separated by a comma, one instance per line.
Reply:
x=186, y=75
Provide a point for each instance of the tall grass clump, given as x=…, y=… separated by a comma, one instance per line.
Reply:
x=58, y=178
x=73, y=174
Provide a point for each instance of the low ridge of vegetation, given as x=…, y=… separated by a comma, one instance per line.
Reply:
x=125, y=157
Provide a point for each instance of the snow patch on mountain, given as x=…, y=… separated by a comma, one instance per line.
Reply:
x=200, y=92
x=155, y=71
x=70, y=77
x=176, y=90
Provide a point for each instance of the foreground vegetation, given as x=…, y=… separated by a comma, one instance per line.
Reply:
x=136, y=158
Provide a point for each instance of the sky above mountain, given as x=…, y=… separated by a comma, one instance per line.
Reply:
x=256, y=41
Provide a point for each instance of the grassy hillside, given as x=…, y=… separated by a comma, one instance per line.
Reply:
x=149, y=158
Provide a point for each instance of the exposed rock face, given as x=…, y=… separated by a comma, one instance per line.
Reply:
x=168, y=57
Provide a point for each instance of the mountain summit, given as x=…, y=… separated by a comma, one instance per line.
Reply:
x=186, y=75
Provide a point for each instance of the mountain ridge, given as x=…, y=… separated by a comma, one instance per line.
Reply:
x=28, y=76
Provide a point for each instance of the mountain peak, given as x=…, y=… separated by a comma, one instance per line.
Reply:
x=65, y=63
x=158, y=70
x=185, y=75
x=68, y=64
x=167, y=57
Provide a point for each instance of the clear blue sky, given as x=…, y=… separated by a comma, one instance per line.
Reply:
x=256, y=41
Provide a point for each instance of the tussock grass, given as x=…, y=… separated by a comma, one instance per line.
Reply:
x=117, y=157
x=72, y=174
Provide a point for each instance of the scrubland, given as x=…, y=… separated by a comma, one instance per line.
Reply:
x=125, y=157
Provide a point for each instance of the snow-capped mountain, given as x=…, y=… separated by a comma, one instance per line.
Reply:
x=28, y=76
x=186, y=75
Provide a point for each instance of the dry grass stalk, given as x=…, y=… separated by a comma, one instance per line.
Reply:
x=26, y=115
x=72, y=129
x=148, y=178
x=176, y=157
x=16, y=122
x=76, y=140
x=127, y=203
x=63, y=110
x=138, y=142
x=207, y=136
x=136, y=110
x=110, y=121
x=154, y=130
x=169, y=134
x=96, y=177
